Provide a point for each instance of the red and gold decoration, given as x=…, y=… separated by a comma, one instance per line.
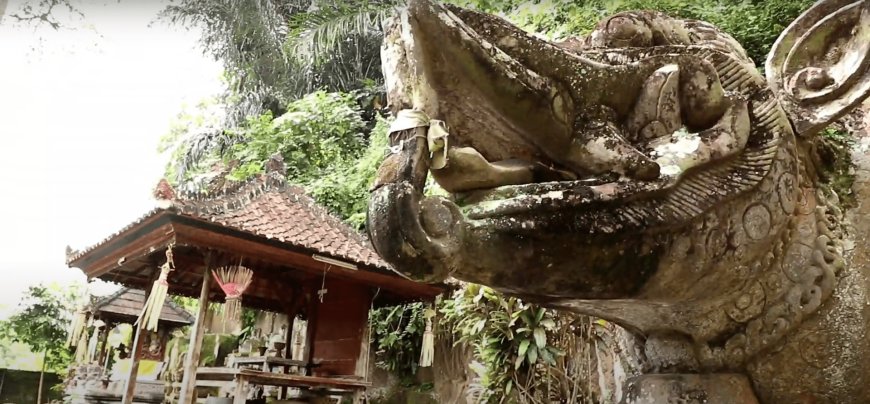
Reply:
x=233, y=280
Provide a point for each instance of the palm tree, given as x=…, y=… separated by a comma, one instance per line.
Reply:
x=339, y=43
x=275, y=51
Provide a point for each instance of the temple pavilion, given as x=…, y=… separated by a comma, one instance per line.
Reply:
x=305, y=263
x=109, y=315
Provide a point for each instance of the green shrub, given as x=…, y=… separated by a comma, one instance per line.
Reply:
x=317, y=131
x=754, y=23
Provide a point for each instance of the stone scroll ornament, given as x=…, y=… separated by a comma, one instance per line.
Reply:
x=646, y=174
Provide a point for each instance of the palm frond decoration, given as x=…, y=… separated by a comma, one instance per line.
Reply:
x=233, y=281
x=82, y=354
x=76, y=327
x=150, y=316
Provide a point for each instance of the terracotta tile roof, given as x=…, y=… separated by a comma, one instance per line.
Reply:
x=72, y=254
x=268, y=208
x=128, y=303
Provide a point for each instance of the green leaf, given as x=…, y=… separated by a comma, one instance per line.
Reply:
x=532, y=354
x=478, y=326
x=527, y=317
x=524, y=346
x=547, y=356
x=519, y=362
x=540, y=337
x=548, y=323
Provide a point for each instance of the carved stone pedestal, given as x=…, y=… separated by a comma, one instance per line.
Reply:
x=689, y=389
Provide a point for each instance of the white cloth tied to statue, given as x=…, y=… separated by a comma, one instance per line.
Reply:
x=436, y=134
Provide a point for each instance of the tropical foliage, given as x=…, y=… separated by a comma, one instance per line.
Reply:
x=509, y=338
x=315, y=133
x=40, y=323
x=277, y=51
x=326, y=144
x=396, y=333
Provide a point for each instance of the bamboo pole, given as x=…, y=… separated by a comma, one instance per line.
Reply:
x=191, y=360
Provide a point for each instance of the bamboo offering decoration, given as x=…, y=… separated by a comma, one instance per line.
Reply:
x=427, y=352
x=151, y=312
x=233, y=280
x=76, y=327
x=81, y=354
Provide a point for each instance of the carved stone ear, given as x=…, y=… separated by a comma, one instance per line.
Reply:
x=820, y=65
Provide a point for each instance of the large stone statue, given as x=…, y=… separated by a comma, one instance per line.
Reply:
x=647, y=174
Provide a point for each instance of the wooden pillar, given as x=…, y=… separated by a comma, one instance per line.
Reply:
x=135, y=349
x=310, y=331
x=104, y=342
x=240, y=397
x=288, y=339
x=191, y=361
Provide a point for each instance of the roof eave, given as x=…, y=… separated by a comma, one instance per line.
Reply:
x=163, y=227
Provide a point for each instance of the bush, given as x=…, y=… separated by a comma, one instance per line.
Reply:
x=317, y=132
x=754, y=23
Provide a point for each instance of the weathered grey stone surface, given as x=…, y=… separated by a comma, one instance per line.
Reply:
x=646, y=174
x=689, y=389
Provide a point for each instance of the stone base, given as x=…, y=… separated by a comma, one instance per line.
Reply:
x=689, y=389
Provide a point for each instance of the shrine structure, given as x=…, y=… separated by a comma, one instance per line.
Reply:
x=305, y=263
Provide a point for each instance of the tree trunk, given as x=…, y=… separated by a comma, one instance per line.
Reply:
x=41, y=371
x=3, y=4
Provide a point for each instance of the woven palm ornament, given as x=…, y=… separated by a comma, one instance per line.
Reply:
x=233, y=281
x=151, y=312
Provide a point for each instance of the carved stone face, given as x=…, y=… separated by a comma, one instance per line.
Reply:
x=570, y=166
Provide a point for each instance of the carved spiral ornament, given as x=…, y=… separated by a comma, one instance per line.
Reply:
x=822, y=70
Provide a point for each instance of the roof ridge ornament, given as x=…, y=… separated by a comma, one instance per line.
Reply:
x=276, y=171
x=164, y=191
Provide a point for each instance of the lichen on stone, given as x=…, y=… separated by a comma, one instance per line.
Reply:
x=675, y=154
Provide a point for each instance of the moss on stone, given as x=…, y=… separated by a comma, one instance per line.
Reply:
x=836, y=172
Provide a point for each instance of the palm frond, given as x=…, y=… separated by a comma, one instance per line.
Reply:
x=248, y=37
x=318, y=35
x=198, y=147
